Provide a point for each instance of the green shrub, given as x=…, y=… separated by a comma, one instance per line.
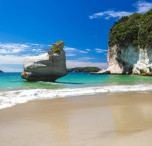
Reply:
x=57, y=50
x=59, y=41
x=145, y=32
x=135, y=30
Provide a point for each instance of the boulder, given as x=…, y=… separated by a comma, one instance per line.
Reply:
x=46, y=67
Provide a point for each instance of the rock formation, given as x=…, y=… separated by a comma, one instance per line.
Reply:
x=46, y=67
x=131, y=60
x=130, y=45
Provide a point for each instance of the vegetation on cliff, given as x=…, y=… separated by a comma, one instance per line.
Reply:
x=57, y=49
x=135, y=29
x=84, y=69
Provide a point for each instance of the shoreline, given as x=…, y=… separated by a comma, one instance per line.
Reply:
x=107, y=119
x=12, y=98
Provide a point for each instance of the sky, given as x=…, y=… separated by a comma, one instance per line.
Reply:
x=28, y=27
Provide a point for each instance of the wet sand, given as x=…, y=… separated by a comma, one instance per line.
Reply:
x=123, y=119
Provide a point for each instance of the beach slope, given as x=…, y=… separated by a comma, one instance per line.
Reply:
x=110, y=119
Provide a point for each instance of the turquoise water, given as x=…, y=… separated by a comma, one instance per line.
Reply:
x=14, y=90
x=13, y=81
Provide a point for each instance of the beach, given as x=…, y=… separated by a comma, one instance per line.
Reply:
x=76, y=73
x=115, y=119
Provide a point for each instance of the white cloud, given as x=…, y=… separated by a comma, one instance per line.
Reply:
x=74, y=63
x=97, y=15
x=36, y=44
x=11, y=48
x=100, y=50
x=88, y=49
x=3, y=51
x=83, y=51
x=85, y=59
x=68, y=49
x=141, y=7
x=11, y=59
x=16, y=48
x=110, y=14
x=73, y=51
x=7, y=69
x=69, y=54
x=35, y=49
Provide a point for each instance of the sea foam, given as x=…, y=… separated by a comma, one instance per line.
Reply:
x=11, y=98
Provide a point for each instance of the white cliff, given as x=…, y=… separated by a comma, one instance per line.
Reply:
x=122, y=60
x=130, y=60
x=144, y=64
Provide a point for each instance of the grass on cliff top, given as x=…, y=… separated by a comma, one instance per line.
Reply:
x=135, y=29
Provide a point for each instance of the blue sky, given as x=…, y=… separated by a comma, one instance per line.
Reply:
x=27, y=27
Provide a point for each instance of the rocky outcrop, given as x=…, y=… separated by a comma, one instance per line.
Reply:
x=46, y=67
x=144, y=64
x=1, y=71
x=130, y=60
x=122, y=60
x=130, y=45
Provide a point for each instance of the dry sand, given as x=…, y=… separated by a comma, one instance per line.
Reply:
x=103, y=120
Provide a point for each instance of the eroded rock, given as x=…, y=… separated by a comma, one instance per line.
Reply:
x=46, y=67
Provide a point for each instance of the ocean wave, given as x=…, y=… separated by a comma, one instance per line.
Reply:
x=11, y=98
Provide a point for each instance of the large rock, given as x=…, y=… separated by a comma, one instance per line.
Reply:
x=46, y=67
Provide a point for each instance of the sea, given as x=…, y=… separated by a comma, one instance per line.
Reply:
x=15, y=90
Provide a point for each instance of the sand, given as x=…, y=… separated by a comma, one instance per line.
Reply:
x=123, y=119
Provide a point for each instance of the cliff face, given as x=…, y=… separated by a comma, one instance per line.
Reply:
x=131, y=60
x=144, y=64
x=46, y=67
x=120, y=60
